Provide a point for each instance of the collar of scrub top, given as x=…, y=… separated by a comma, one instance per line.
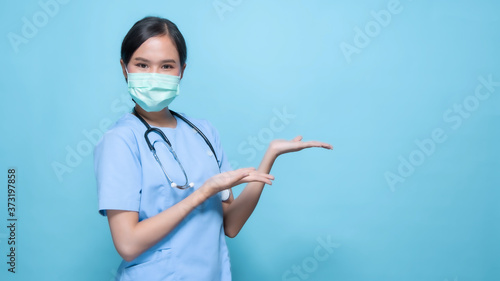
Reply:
x=169, y=145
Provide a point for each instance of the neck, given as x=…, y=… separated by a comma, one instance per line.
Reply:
x=161, y=118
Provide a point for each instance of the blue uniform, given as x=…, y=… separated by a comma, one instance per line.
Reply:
x=129, y=178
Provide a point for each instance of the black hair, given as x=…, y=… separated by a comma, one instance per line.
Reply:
x=150, y=27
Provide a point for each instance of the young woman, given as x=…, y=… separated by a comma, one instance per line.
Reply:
x=163, y=179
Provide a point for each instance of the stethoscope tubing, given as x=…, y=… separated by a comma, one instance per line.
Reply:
x=149, y=129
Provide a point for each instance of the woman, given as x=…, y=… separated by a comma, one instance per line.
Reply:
x=169, y=208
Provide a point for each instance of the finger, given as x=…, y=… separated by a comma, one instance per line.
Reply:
x=271, y=177
x=228, y=178
x=236, y=175
x=245, y=171
x=297, y=138
x=318, y=144
x=261, y=175
x=248, y=175
x=254, y=178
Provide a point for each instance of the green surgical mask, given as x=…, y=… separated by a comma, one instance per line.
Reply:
x=153, y=91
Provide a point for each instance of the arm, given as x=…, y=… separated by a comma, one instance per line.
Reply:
x=237, y=211
x=131, y=237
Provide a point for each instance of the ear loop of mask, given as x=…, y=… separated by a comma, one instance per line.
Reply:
x=126, y=70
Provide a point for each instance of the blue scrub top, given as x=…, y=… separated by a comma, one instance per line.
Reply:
x=129, y=178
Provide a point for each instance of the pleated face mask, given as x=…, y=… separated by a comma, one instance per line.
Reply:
x=153, y=91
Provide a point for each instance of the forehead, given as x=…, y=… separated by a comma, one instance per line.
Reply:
x=157, y=48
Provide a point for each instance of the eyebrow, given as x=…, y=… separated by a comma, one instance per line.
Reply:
x=145, y=60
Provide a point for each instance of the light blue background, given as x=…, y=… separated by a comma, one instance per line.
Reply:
x=258, y=57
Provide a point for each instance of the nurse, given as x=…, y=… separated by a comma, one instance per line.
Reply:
x=169, y=216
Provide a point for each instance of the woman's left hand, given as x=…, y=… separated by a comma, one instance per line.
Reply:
x=296, y=144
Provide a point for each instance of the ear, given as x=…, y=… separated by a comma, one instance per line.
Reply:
x=182, y=70
x=123, y=69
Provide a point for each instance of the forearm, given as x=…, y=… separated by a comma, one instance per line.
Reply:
x=238, y=212
x=136, y=238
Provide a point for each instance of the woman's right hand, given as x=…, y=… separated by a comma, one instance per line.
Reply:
x=229, y=179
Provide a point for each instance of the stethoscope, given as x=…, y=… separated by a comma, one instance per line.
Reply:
x=169, y=146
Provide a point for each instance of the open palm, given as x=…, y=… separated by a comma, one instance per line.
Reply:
x=280, y=146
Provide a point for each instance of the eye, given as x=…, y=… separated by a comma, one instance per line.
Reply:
x=141, y=65
x=167, y=66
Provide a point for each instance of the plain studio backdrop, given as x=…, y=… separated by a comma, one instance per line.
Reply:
x=407, y=92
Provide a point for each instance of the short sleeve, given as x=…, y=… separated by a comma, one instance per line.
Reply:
x=223, y=162
x=118, y=171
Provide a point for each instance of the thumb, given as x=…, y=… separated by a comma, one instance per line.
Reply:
x=297, y=138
